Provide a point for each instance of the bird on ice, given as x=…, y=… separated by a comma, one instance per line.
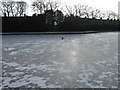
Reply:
x=62, y=38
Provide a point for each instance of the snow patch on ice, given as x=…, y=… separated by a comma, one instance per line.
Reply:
x=34, y=67
x=9, y=49
x=28, y=50
x=68, y=77
x=13, y=53
x=18, y=84
x=103, y=76
x=58, y=63
x=11, y=64
x=108, y=73
x=16, y=73
x=38, y=80
x=6, y=81
x=100, y=62
x=64, y=70
x=53, y=86
x=114, y=87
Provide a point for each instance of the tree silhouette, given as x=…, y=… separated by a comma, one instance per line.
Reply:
x=21, y=8
x=111, y=15
x=41, y=6
x=5, y=8
x=12, y=8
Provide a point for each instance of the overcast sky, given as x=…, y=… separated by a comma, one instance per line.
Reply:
x=102, y=4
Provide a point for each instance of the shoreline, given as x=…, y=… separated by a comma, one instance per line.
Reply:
x=51, y=33
x=45, y=33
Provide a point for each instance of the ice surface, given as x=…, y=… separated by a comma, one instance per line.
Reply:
x=47, y=61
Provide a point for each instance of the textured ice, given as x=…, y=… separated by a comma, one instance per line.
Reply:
x=46, y=61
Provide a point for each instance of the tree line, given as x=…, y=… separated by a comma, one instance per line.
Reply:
x=18, y=9
x=48, y=17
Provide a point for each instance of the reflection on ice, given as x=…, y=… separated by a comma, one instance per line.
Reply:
x=46, y=61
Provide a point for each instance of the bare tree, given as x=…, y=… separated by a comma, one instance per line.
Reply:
x=70, y=11
x=96, y=13
x=83, y=11
x=21, y=8
x=40, y=6
x=12, y=8
x=88, y=12
x=111, y=15
x=79, y=10
x=53, y=5
x=5, y=8
x=118, y=17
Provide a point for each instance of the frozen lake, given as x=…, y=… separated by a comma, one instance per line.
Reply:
x=47, y=61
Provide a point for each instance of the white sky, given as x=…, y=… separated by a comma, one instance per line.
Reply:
x=105, y=4
x=102, y=4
